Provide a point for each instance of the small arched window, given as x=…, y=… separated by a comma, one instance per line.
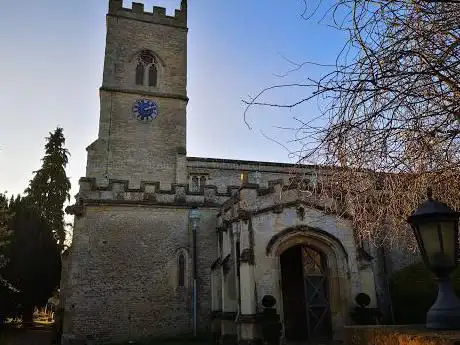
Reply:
x=181, y=270
x=197, y=181
x=195, y=184
x=146, y=62
x=202, y=181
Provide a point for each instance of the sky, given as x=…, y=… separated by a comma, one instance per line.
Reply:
x=51, y=61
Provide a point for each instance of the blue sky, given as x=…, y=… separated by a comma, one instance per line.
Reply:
x=51, y=69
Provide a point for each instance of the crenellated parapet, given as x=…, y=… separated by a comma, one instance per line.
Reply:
x=88, y=184
x=149, y=193
x=248, y=192
x=158, y=15
x=252, y=199
x=233, y=203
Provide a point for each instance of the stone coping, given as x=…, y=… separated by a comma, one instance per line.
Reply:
x=238, y=162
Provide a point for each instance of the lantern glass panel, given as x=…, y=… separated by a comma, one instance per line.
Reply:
x=439, y=243
x=430, y=241
x=449, y=240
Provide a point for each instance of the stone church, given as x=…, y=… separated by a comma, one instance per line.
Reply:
x=166, y=244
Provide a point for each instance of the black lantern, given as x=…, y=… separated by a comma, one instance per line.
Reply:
x=435, y=227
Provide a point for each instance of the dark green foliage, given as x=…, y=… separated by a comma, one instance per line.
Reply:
x=32, y=235
x=5, y=217
x=413, y=291
x=9, y=301
x=34, y=258
x=6, y=290
x=49, y=189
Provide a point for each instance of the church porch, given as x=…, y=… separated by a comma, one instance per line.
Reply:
x=303, y=257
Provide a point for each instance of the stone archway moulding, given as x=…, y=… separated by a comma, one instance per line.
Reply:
x=336, y=254
x=136, y=54
x=337, y=259
x=304, y=235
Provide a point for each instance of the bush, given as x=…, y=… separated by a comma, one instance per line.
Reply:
x=8, y=302
x=413, y=291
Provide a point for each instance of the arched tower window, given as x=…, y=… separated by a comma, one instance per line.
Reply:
x=146, y=61
x=140, y=69
x=181, y=270
x=153, y=75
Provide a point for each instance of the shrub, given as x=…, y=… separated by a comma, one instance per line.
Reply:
x=413, y=291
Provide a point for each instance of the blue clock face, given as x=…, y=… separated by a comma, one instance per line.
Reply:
x=145, y=110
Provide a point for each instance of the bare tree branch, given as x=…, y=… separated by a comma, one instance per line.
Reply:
x=389, y=122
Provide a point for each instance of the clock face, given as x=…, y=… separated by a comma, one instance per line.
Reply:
x=145, y=110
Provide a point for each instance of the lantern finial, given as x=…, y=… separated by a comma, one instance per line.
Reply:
x=429, y=193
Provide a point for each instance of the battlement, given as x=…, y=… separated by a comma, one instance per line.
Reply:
x=151, y=193
x=157, y=16
x=252, y=199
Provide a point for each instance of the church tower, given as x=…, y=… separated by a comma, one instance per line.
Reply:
x=143, y=97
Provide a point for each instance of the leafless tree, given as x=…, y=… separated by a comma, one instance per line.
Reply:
x=391, y=108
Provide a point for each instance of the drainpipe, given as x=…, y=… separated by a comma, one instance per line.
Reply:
x=236, y=237
x=238, y=277
x=195, y=304
x=194, y=217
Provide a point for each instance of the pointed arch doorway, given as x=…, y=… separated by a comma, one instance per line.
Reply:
x=305, y=292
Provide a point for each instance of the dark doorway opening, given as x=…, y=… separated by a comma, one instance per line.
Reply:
x=305, y=294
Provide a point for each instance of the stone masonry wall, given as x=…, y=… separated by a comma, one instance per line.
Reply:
x=123, y=281
x=133, y=150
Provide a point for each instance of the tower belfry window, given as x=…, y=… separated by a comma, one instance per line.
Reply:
x=140, y=69
x=146, y=62
x=153, y=75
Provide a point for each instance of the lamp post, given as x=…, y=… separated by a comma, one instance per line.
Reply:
x=194, y=218
x=435, y=227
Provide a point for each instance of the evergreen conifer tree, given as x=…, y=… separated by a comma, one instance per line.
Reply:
x=49, y=188
x=5, y=234
x=5, y=217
